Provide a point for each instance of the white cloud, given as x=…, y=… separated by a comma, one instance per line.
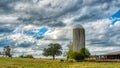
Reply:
x=96, y=29
x=22, y=6
x=20, y=38
x=59, y=33
x=30, y=26
x=8, y=19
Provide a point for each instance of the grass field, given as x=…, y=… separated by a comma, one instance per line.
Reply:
x=45, y=63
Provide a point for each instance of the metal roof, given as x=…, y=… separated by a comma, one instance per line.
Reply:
x=113, y=53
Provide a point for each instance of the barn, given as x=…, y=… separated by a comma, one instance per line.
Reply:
x=112, y=55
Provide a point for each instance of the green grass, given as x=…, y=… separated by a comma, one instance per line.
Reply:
x=45, y=63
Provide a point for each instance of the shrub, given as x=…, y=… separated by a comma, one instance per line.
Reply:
x=61, y=60
x=78, y=56
x=70, y=61
x=27, y=56
x=21, y=56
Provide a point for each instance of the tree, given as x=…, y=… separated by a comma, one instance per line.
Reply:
x=7, y=51
x=78, y=56
x=52, y=50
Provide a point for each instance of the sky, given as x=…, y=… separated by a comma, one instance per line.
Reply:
x=28, y=26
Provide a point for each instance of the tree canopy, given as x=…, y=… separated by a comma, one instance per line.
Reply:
x=54, y=49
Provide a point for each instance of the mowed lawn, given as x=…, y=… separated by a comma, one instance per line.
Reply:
x=45, y=63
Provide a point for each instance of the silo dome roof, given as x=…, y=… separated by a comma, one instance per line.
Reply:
x=78, y=26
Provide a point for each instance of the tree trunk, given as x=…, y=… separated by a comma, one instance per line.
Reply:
x=53, y=57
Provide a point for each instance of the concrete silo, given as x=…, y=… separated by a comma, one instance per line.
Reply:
x=78, y=38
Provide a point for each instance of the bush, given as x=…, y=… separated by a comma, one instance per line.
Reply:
x=21, y=56
x=27, y=56
x=79, y=56
x=61, y=60
x=70, y=61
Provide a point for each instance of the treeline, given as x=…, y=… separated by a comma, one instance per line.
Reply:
x=7, y=52
x=53, y=50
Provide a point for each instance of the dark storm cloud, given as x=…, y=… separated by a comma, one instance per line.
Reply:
x=51, y=22
x=6, y=29
x=102, y=43
x=25, y=44
x=4, y=6
x=5, y=42
x=91, y=17
x=47, y=16
x=48, y=13
x=96, y=10
x=57, y=24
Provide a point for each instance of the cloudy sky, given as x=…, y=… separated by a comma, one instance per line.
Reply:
x=28, y=26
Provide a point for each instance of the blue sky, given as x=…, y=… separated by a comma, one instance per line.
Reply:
x=115, y=17
x=30, y=25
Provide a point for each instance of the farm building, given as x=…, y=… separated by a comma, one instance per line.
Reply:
x=113, y=55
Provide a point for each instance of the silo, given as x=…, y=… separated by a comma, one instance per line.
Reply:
x=78, y=38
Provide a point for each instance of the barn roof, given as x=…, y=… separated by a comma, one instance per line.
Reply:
x=113, y=53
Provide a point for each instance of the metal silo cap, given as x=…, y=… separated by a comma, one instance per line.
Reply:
x=78, y=26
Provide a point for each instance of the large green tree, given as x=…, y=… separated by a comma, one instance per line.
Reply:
x=54, y=49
